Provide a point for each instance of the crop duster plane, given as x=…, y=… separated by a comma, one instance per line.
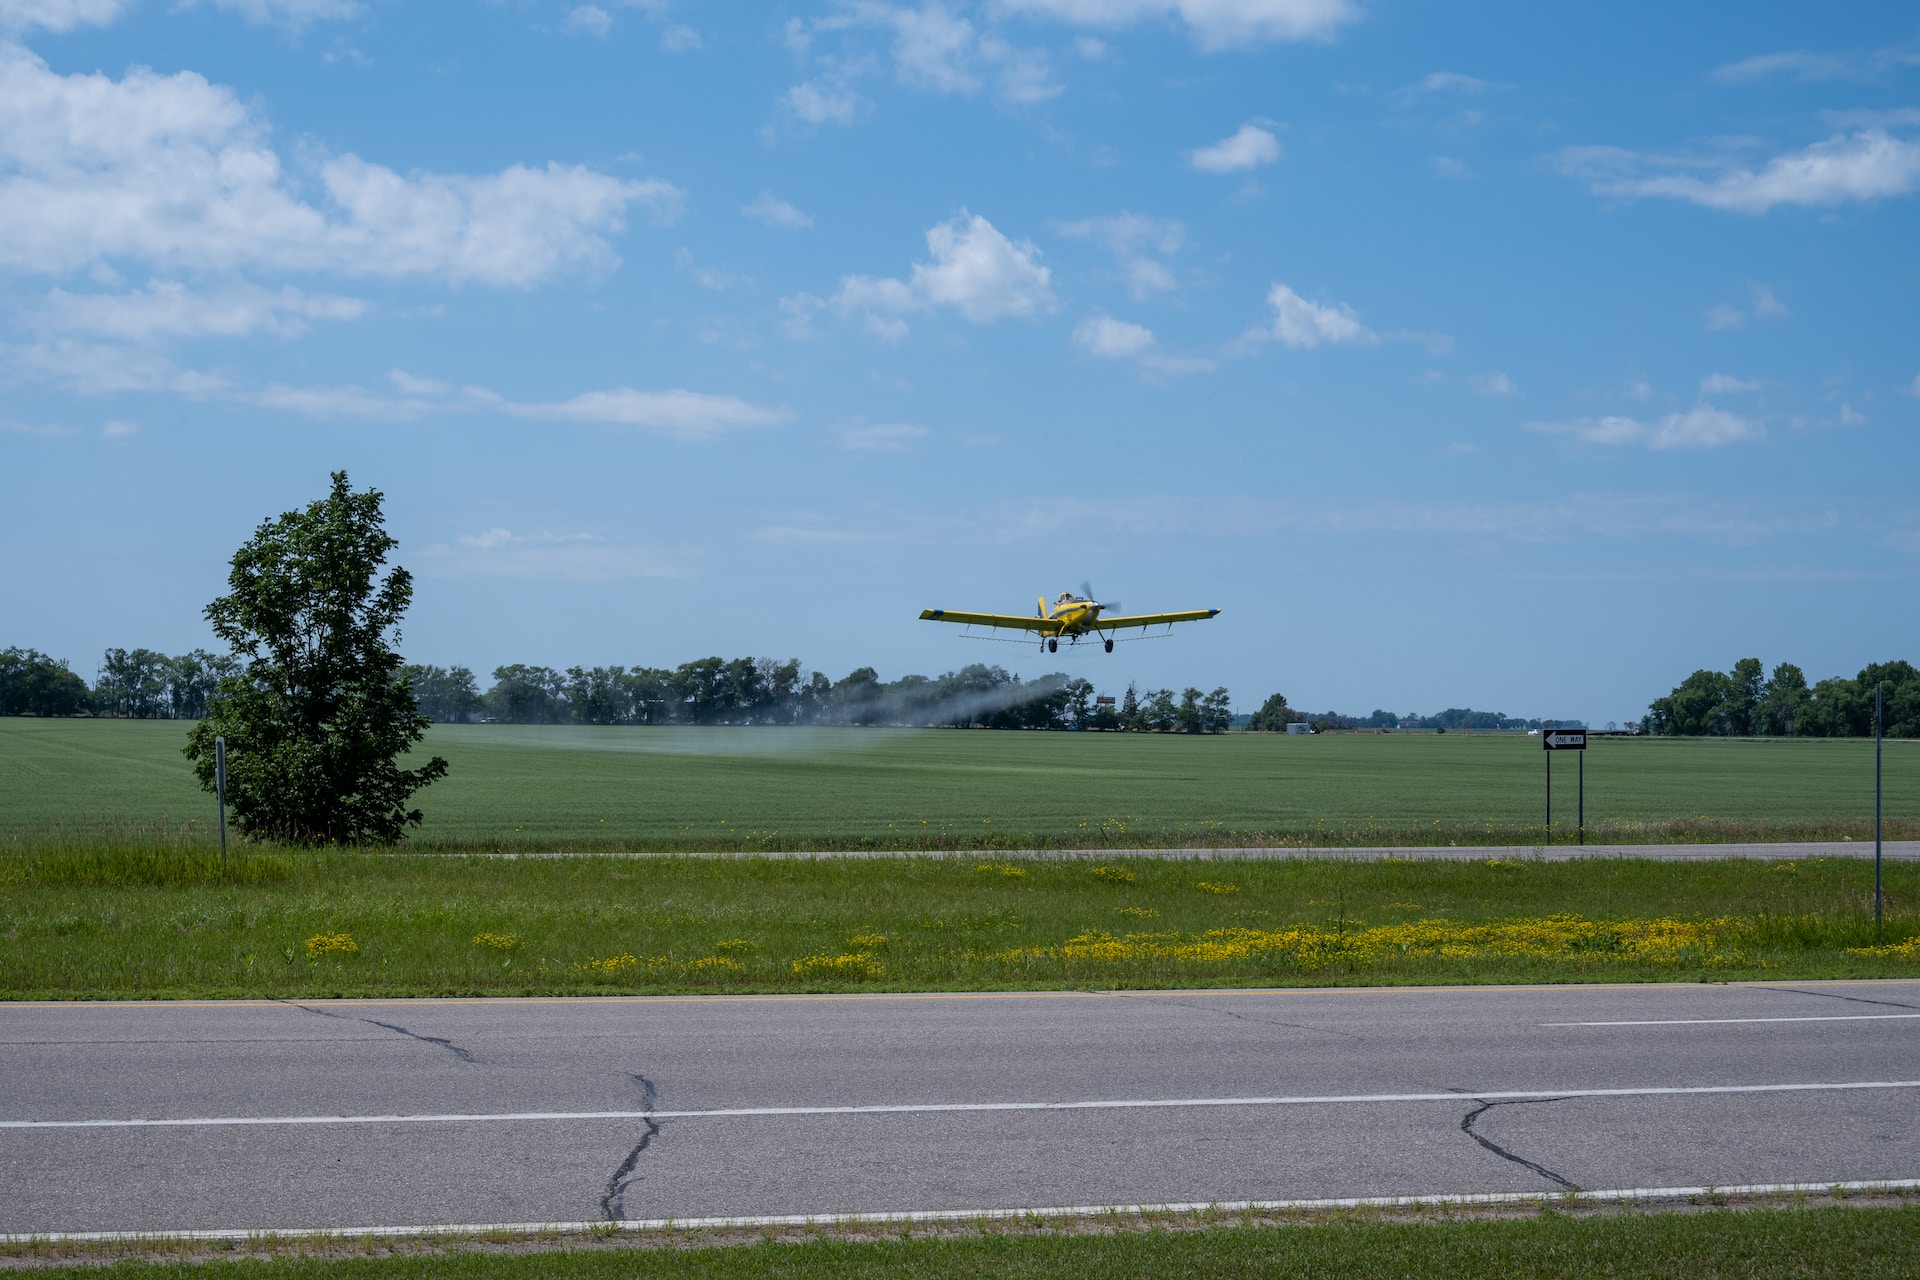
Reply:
x=1071, y=617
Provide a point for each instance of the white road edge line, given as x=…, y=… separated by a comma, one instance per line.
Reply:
x=923, y=1108
x=1702, y=1022
x=972, y=1215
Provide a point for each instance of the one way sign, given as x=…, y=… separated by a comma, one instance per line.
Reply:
x=1564, y=740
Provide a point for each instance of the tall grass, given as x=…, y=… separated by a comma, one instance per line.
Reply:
x=147, y=922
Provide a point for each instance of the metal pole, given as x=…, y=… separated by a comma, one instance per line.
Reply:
x=1879, y=704
x=1548, y=753
x=1583, y=797
x=220, y=790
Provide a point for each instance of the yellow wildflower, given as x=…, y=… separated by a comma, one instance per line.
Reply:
x=321, y=944
x=859, y=964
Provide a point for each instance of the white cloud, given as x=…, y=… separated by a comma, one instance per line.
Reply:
x=120, y=429
x=1762, y=304
x=412, y=386
x=567, y=557
x=1722, y=384
x=718, y=281
x=1250, y=148
x=174, y=171
x=1867, y=165
x=934, y=48
x=57, y=15
x=822, y=102
x=768, y=208
x=1105, y=338
x=588, y=19
x=1299, y=323
x=1131, y=236
x=100, y=369
x=678, y=414
x=1913, y=388
x=1852, y=417
x=1448, y=167
x=1493, y=384
x=1798, y=64
x=683, y=415
x=1128, y=233
x=981, y=273
x=1702, y=427
x=975, y=270
x=167, y=309
x=1452, y=81
x=1111, y=339
x=289, y=13
x=678, y=37
x=881, y=437
x=339, y=402
x=1214, y=24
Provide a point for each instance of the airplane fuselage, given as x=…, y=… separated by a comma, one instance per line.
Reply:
x=1070, y=616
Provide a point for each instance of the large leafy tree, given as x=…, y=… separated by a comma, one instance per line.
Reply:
x=320, y=708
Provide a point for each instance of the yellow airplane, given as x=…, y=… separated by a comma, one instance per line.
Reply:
x=1071, y=616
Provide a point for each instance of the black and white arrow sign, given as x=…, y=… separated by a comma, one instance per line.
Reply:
x=1564, y=740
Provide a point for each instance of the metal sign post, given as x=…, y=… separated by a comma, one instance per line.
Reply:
x=220, y=790
x=1879, y=709
x=1566, y=740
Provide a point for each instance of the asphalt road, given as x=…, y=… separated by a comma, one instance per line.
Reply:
x=395, y=1113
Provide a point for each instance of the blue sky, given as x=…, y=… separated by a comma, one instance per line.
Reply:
x=1497, y=355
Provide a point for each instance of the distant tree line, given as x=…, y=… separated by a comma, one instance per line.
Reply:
x=763, y=691
x=139, y=684
x=146, y=684
x=1746, y=701
x=1275, y=715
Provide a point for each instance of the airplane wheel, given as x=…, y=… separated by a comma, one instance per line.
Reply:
x=1053, y=646
x=1109, y=644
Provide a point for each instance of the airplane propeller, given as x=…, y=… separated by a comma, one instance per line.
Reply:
x=1086, y=593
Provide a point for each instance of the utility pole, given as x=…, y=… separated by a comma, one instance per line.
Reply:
x=1549, y=795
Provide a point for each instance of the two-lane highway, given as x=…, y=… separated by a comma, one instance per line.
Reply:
x=259, y=1115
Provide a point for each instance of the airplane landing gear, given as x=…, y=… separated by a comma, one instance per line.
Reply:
x=1109, y=644
x=1053, y=644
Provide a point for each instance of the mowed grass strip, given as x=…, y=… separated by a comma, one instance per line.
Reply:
x=564, y=788
x=167, y=923
x=1751, y=1244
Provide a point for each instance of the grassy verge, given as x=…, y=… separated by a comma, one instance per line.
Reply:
x=766, y=789
x=1754, y=1244
x=169, y=923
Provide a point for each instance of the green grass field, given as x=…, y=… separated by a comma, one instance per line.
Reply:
x=560, y=788
x=171, y=924
x=1828, y=1243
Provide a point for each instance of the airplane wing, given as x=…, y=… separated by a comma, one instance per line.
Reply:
x=1152, y=619
x=1008, y=620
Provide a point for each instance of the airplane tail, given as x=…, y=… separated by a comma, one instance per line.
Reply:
x=1042, y=607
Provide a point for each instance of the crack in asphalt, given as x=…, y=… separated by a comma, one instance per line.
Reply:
x=1834, y=995
x=613, y=1204
x=441, y=1041
x=1466, y=1127
x=1228, y=1013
